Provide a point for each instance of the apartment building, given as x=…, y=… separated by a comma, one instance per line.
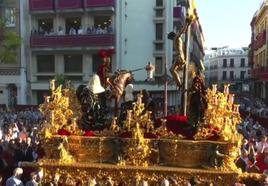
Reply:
x=12, y=75
x=228, y=66
x=65, y=37
x=258, y=52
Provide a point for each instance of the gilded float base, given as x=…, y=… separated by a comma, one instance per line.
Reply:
x=127, y=175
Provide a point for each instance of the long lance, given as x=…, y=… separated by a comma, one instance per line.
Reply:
x=137, y=69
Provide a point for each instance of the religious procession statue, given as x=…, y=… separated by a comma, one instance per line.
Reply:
x=93, y=112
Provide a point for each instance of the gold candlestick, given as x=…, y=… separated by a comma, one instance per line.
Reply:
x=236, y=108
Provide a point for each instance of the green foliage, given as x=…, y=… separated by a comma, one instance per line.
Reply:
x=9, y=45
x=61, y=79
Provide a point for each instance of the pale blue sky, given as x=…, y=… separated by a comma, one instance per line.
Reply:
x=227, y=22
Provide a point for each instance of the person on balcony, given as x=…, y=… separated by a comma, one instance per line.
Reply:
x=60, y=31
x=72, y=31
x=98, y=30
x=89, y=30
x=80, y=31
x=110, y=29
x=51, y=32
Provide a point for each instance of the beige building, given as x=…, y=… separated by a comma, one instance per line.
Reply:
x=258, y=53
x=228, y=66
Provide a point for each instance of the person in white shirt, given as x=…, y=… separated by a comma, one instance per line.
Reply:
x=60, y=31
x=80, y=31
x=262, y=144
x=72, y=31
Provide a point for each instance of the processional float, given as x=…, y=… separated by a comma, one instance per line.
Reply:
x=136, y=151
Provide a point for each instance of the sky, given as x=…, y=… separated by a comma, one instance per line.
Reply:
x=227, y=22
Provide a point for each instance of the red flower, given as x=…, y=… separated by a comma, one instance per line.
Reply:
x=89, y=133
x=178, y=118
x=63, y=132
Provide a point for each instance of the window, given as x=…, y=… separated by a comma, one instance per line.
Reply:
x=242, y=74
x=159, y=66
x=73, y=63
x=224, y=63
x=159, y=3
x=159, y=13
x=45, y=78
x=73, y=25
x=74, y=78
x=242, y=62
x=159, y=31
x=97, y=61
x=224, y=75
x=45, y=63
x=231, y=75
x=45, y=26
x=10, y=19
x=232, y=62
x=158, y=46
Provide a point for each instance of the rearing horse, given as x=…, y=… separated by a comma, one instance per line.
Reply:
x=118, y=84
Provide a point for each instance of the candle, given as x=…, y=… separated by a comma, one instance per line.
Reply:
x=214, y=88
x=226, y=89
x=47, y=99
x=139, y=99
x=52, y=84
x=231, y=99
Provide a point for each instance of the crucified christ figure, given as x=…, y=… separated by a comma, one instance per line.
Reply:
x=180, y=57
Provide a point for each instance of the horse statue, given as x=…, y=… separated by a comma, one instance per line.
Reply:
x=118, y=84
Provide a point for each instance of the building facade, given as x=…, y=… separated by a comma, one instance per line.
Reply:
x=137, y=33
x=228, y=66
x=65, y=37
x=258, y=53
x=13, y=75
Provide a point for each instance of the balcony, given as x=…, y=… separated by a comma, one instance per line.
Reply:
x=99, y=3
x=178, y=13
x=48, y=6
x=178, y=16
x=41, y=5
x=69, y=5
x=260, y=40
x=69, y=41
x=260, y=73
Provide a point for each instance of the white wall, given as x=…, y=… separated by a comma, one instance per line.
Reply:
x=135, y=35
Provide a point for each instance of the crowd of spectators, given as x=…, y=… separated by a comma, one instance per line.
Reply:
x=91, y=30
x=253, y=105
x=254, y=150
x=19, y=139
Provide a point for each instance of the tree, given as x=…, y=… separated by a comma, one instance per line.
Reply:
x=9, y=43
